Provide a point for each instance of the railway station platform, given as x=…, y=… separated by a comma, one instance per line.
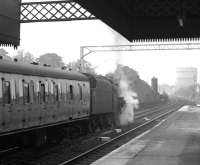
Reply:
x=174, y=141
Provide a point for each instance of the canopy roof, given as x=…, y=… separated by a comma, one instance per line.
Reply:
x=148, y=19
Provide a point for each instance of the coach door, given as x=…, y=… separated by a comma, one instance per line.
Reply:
x=16, y=116
x=71, y=101
x=64, y=108
x=26, y=103
x=33, y=106
x=50, y=102
x=6, y=105
x=1, y=107
x=43, y=107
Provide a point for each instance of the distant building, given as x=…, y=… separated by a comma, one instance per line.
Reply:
x=154, y=84
x=186, y=77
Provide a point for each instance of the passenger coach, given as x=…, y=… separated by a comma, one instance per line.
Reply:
x=36, y=100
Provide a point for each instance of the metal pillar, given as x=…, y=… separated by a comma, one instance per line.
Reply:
x=81, y=59
x=82, y=56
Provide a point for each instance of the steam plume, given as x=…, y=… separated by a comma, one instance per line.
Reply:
x=125, y=91
x=127, y=112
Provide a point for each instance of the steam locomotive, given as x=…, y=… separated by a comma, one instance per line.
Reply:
x=39, y=103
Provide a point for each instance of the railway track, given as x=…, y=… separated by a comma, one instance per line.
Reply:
x=8, y=150
x=32, y=156
x=138, y=114
x=97, y=152
x=154, y=110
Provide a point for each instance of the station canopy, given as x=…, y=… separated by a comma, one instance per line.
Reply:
x=134, y=19
x=10, y=22
x=148, y=19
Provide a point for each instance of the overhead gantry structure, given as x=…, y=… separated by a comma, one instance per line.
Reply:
x=134, y=19
x=87, y=50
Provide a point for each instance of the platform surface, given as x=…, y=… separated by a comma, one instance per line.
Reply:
x=175, y=141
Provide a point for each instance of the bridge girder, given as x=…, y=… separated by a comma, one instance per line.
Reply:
x=50, y=11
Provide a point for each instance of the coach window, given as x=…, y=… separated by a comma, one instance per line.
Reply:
x=46, y=85
x=26, y=94
x=56, y=92
x=66, y=91
x=13, y=89
x=6, y=92
x=42, y=92
x=31, y=89
x=51, y=86
x=84, y=92
x=80, y=92
x=71, y=92
x=1, y=90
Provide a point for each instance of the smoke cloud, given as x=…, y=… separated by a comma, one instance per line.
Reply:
x=131, y=102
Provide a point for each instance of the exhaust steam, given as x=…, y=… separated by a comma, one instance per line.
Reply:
x=126, y=116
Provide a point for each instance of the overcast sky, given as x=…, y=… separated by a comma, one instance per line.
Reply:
x=65, y=39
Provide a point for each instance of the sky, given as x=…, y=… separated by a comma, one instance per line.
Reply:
x=66, y=38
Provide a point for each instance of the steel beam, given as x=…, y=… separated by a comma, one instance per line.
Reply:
x=49, y=11
x=86, y=50
x=134, y=19
x=154, y=46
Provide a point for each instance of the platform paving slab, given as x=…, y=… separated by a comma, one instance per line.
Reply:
x=175, y=141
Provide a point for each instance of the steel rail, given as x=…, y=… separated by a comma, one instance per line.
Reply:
x=138, y=115
x=71, y=161
x=167, y=106
x=8, y=150
x=151, y=111
x=147, y=111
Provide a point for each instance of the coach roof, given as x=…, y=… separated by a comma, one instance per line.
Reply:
x=37, y=70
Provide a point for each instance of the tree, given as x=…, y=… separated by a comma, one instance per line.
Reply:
x=124, y=71
x=188, y=92
x=51, y=59
x=4, y=54
x=131, y=78
x=75, y=66
x=24, y=57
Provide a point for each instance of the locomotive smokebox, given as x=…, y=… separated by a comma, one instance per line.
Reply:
x=121, y=103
